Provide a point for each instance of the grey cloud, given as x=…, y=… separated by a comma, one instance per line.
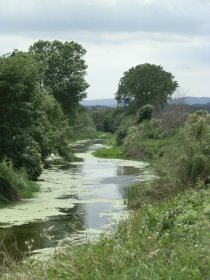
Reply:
x=36, y=16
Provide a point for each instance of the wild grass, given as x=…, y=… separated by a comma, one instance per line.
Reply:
x=148, y=149
x=14, y=184
x=112, y=152
x=166, y=240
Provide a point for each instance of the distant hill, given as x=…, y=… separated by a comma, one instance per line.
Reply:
x=196, y=100
x=107, y=102
x=111, y=102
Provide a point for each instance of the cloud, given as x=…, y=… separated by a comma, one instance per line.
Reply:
x=180, y=17
x=117, y=35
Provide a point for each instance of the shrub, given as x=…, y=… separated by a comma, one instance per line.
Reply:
x=7, y=190
x=189, y=162
x=120, y=136
x=108, y=153
x=31, y=161
x=151, y=129
x=14, y=184
x=144, y=113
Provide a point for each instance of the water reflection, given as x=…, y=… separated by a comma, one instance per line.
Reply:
x=84, y=195
x=127, y=170
x=42, y=234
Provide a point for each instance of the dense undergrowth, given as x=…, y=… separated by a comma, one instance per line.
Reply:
x=111, y=152
x=167, y=240
x=165, y=237
x=14, y=184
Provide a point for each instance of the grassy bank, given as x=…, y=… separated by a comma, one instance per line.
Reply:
x=14, y=184
x=166, y=240
x=112, y=152
x=137, y=149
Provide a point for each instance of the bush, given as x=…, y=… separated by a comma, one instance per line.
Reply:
x=14, y=184
x=120, y=136
x=189, y=162
x=108, y=153
x=144, y=113
x=152, y=129
x=7, y=190
x=31, y=160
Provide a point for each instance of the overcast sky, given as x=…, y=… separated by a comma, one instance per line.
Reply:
x=118, y=34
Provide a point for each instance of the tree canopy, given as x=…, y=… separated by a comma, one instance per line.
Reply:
x=145, y=84
x=39, y=90
x=32, y=123
x=62, y=70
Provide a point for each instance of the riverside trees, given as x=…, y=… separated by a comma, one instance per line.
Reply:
x=145, y=84
x=62, y=70
x=39, y=90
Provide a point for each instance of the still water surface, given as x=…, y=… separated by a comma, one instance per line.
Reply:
x=81, y=198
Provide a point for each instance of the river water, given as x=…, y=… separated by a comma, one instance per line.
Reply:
x=78, y=199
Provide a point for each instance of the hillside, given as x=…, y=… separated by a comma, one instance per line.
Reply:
x=111, y=102
x=107, y=102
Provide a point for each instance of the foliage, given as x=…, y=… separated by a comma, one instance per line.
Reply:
x=112, y=152
x=167, y=240
x=189, y=162
x=33, y=124
x=84, y=127
x=18, y=88
x=144, y=113
x=50, y=128
x=121, y=135
x=145, y=84
x=108, y=120
x=152, y=129
x=30, y=159
x=14, y=184
x=62, y=70
x=147, y=141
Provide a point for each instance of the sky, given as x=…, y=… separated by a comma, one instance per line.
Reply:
x=117, y=35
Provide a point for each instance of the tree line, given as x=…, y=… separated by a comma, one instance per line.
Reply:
x=40, y=94
x=40, y=91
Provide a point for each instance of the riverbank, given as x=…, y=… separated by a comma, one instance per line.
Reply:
x=15, y=185
x=166, y=236
x=167, y=240
x=76, y=200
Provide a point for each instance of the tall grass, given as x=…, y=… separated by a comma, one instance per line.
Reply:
x=113, y=152
x=164, y=241
x=14, y=184
x=166, y=237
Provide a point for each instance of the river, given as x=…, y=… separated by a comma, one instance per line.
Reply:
x=76, y=200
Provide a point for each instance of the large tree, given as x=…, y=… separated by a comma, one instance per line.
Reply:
x=18, y=88
x=32, y=123
x=145, y=84
x=62, y=69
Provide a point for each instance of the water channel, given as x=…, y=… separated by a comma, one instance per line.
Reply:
x=78, y=199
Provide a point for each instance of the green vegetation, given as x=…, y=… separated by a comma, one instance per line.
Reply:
x=167, y=240
x=145, y=113
x=108, y=119
x=112, y=152
x=84, y=127
x=166, y=236
x=40, y=91
x=145, y=84
x=62, y=69
x=14, y=184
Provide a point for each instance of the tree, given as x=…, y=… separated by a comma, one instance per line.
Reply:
x=145, y=84
x=62, y=70
x=18, y=88
x=32, y=123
